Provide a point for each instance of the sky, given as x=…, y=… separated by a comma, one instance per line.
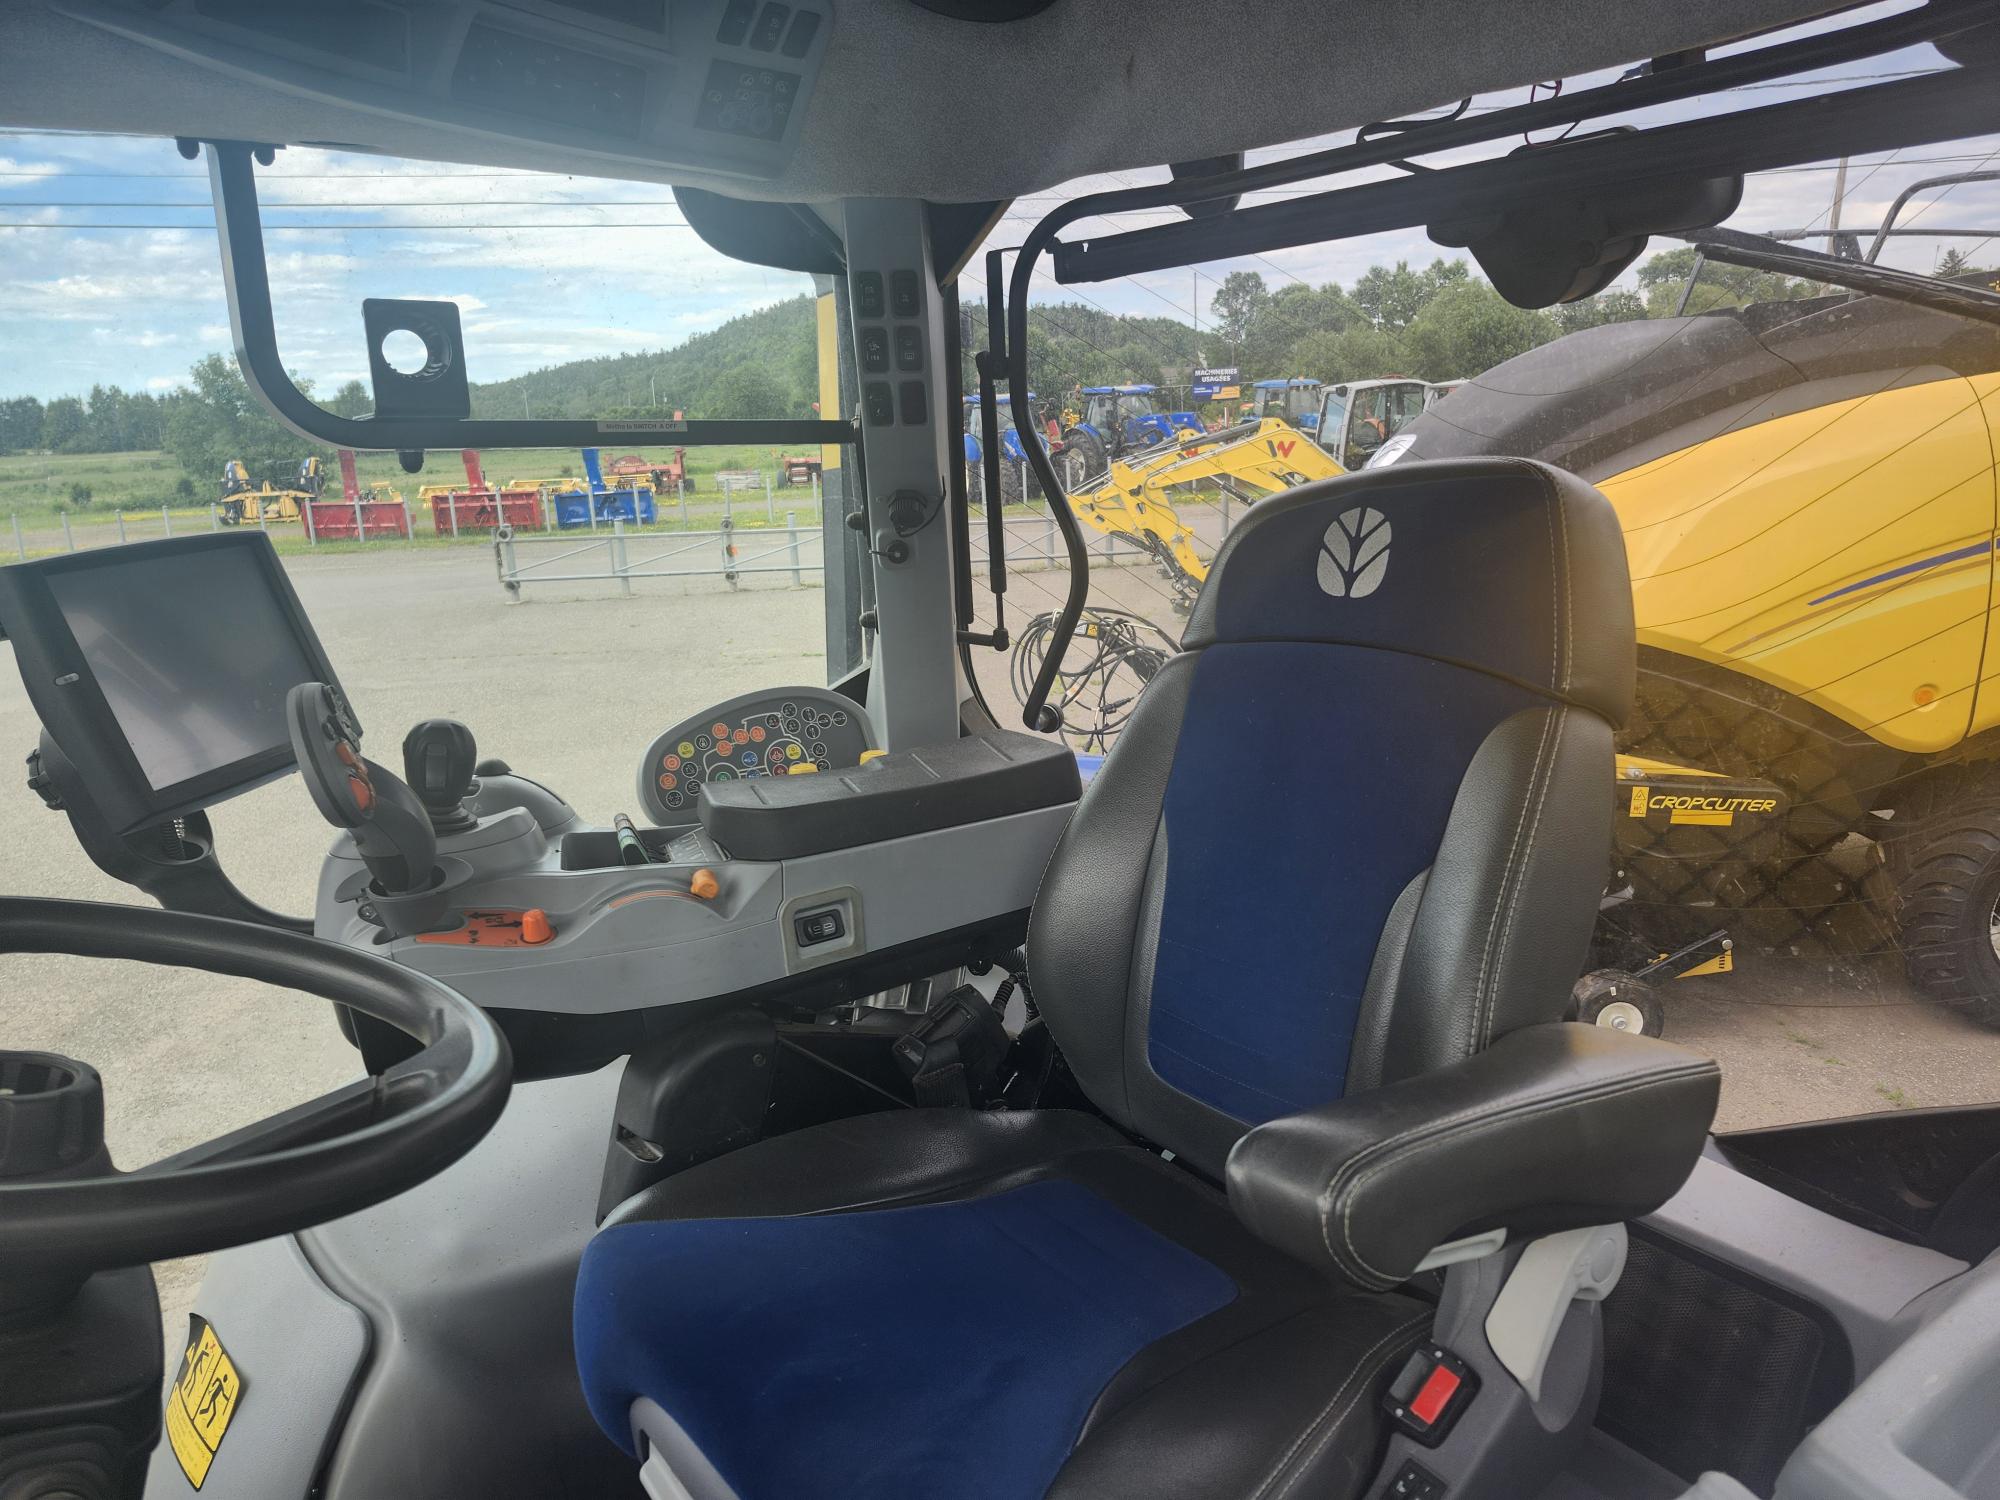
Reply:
x=549, y=268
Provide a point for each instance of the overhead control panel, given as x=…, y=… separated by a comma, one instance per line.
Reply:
x=794, y=731
x=719, y=84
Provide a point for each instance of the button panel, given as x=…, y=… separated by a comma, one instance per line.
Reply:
x=770, y=27
x=819, y=927
x=916, y=410
x=736, y=18
x=799, y=40
x=878, y=404
x=909, y=348
x=1414, y=1482
x=868, y=301
x=874, y=350
x=906, y=298
x=747, y=100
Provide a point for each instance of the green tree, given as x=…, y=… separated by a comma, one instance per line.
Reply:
x=20, y=424
x=1391, y=297
x=1663, y=276
x=745, y=390
x=1363, y=352
x=63, y=424
x=221, y=420
x=1615, y=306
x=1235, y=309
x=1468, y=328
x=351, y=400
x=1953, y=263
x=1293, y=312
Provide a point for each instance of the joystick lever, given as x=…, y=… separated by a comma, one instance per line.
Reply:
x=440, y=760
x=391, y=830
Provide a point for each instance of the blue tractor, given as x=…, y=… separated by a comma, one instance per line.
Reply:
x=1017, y=480
x=1121, y=419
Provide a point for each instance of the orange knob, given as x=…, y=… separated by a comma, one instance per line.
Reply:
x=704, y=884
x=535, y=926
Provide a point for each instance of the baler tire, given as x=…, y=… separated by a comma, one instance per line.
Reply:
x=1945, y=902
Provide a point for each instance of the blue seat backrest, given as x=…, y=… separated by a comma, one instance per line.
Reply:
x=1380, y=668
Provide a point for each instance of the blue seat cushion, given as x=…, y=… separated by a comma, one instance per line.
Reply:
x=949, y=1348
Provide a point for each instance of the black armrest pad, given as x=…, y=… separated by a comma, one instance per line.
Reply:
x=968, y=780
x=1552, y=1127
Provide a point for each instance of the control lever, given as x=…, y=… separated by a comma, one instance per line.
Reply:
x=440, y=759
x=390, y=827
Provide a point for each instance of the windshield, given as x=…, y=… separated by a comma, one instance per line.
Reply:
x=648, y=582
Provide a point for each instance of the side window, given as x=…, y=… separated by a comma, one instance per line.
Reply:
x=1332, y=424
x=1368, y=428
x=1406, y=407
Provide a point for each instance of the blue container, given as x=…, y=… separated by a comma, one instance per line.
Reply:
x=634, y=506
x=574, y=508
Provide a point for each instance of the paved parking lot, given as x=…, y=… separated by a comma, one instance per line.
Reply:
x=570, y=689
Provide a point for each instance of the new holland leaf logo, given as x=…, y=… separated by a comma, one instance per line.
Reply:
x=1354, y=554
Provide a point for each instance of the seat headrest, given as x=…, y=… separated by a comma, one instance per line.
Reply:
x=1503, y=565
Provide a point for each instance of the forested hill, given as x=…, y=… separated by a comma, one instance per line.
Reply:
x=759, y=365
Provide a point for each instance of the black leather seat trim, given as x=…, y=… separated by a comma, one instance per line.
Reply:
x=1552, y=1127
x=1591, y=667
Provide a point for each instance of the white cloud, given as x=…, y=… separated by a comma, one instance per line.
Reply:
x=162, y=383
x=20, y=174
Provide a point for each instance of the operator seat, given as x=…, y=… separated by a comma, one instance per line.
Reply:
x=1354, y=832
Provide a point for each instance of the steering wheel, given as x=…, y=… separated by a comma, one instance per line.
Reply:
x=331, y=1156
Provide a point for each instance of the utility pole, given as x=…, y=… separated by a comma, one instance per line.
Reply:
x=1839, y=192
x=524, y=404
x=655, y=381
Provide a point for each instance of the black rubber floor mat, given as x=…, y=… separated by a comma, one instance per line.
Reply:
x=1707, y=1367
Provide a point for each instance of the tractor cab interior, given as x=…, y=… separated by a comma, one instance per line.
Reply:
x=902, y=1105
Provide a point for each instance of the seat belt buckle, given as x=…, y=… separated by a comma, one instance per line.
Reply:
x=1430, y=1393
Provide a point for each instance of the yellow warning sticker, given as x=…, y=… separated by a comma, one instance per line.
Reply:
x=1638, y=802
x=203, y=1400
x=1723, y=963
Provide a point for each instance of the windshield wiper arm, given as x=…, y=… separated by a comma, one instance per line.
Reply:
x=1758, y=252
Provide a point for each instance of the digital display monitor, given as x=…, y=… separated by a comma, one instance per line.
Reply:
x=194, y=658
x=161, y=669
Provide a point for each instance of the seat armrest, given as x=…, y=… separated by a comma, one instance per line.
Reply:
x=1552, y=1127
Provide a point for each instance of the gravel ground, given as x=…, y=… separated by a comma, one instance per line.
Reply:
x=569, y=687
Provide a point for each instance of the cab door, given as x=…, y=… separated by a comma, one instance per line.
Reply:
x=1331, y=428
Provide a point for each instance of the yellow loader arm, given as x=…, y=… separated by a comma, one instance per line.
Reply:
x=1130, y=498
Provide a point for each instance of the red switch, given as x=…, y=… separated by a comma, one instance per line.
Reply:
x=1435, y=1395
x=1430, y=1393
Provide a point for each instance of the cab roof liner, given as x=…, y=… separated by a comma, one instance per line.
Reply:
x=893, y=99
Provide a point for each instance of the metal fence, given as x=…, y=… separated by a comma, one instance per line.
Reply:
x=729, y=554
